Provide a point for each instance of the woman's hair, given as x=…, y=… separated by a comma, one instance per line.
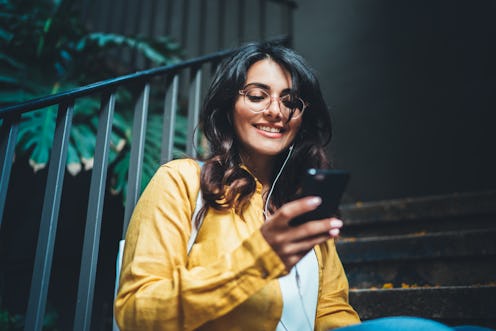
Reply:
x=224, y=184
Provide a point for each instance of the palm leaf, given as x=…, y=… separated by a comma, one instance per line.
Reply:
x=36, y=131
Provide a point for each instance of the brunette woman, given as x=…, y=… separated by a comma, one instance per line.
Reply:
x=266, y=123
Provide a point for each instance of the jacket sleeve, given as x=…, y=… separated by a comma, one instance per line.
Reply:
x=333, y=308
x=157, y=291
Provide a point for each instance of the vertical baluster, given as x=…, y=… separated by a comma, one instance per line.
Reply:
x=137, y=151
x=89, y=258
x=49, y=218
x=193, y=109
x=170, y=109
x=262, y=27
x=8, y=136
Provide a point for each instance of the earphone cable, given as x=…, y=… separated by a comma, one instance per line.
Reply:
x=266, y=209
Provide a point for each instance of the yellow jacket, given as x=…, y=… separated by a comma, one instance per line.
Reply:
x=228, y=281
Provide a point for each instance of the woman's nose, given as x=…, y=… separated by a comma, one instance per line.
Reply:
x=274, y=109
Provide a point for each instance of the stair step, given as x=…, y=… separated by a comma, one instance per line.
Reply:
x=418, y=246
x=451, y=305
x=429, y=207
x=433, y=213
x=436, y=272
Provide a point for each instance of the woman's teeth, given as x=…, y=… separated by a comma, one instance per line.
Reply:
x=269, y=129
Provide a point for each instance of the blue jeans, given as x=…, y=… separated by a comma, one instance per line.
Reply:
x=405, y=323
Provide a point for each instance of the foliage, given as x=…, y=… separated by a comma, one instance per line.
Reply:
x=153, y=140
x=10, y=322
x=44, y=49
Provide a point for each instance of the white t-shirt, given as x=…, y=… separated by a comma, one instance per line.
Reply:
x=300, y=290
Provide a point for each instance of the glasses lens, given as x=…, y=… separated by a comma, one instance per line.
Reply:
x=257, y=99
x=292, y=105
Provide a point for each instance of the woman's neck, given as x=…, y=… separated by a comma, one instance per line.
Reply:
x=260, y=167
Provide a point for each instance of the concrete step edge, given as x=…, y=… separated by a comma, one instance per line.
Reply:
x=452, y=244
x=428, y=207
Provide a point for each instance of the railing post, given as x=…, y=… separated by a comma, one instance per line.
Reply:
x=49, y=218
x=89, y=259
x=194, y=103
x=136, y=158
x=8, y=136
x=170, y=109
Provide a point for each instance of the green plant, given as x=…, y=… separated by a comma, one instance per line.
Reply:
x=44, y=49
x=10, y=322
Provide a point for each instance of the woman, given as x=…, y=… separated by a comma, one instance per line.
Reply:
x=266, y=122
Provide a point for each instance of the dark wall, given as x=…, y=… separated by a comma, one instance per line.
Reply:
x=411, y=86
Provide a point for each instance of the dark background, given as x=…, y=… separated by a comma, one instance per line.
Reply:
x=411, y=90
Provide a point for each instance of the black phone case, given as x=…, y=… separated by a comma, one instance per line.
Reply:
x=329, y=184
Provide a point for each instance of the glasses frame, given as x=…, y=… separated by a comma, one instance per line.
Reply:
x=291, y=116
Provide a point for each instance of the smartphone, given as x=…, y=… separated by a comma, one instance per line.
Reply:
x=329, y=185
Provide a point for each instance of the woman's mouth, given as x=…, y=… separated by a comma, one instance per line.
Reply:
x=269, y=129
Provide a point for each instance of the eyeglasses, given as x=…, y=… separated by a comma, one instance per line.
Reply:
x=258, y=100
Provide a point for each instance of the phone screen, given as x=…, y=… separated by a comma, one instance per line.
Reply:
x=329, y=185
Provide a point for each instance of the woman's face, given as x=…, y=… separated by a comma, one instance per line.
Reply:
x=266, y=133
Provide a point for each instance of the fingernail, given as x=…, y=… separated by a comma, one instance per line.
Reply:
x=334, y=232
x=335, y=223
x=315, y=201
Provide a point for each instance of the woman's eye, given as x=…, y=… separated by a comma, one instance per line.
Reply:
x=288, y=101
x=256, y=97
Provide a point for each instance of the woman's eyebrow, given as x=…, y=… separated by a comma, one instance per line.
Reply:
x=266, y=87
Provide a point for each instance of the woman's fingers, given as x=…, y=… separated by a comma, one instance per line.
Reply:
x=328, y=226
x=307, y=239
x=296, y=208
x=291, y=243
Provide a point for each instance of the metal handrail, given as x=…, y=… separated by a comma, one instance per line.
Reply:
x=109, y=84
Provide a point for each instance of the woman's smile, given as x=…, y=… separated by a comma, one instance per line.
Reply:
x=268, y=128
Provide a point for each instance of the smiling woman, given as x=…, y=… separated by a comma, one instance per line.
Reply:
x=266, y=122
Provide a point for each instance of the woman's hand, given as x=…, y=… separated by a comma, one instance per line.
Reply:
x=292, y=243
